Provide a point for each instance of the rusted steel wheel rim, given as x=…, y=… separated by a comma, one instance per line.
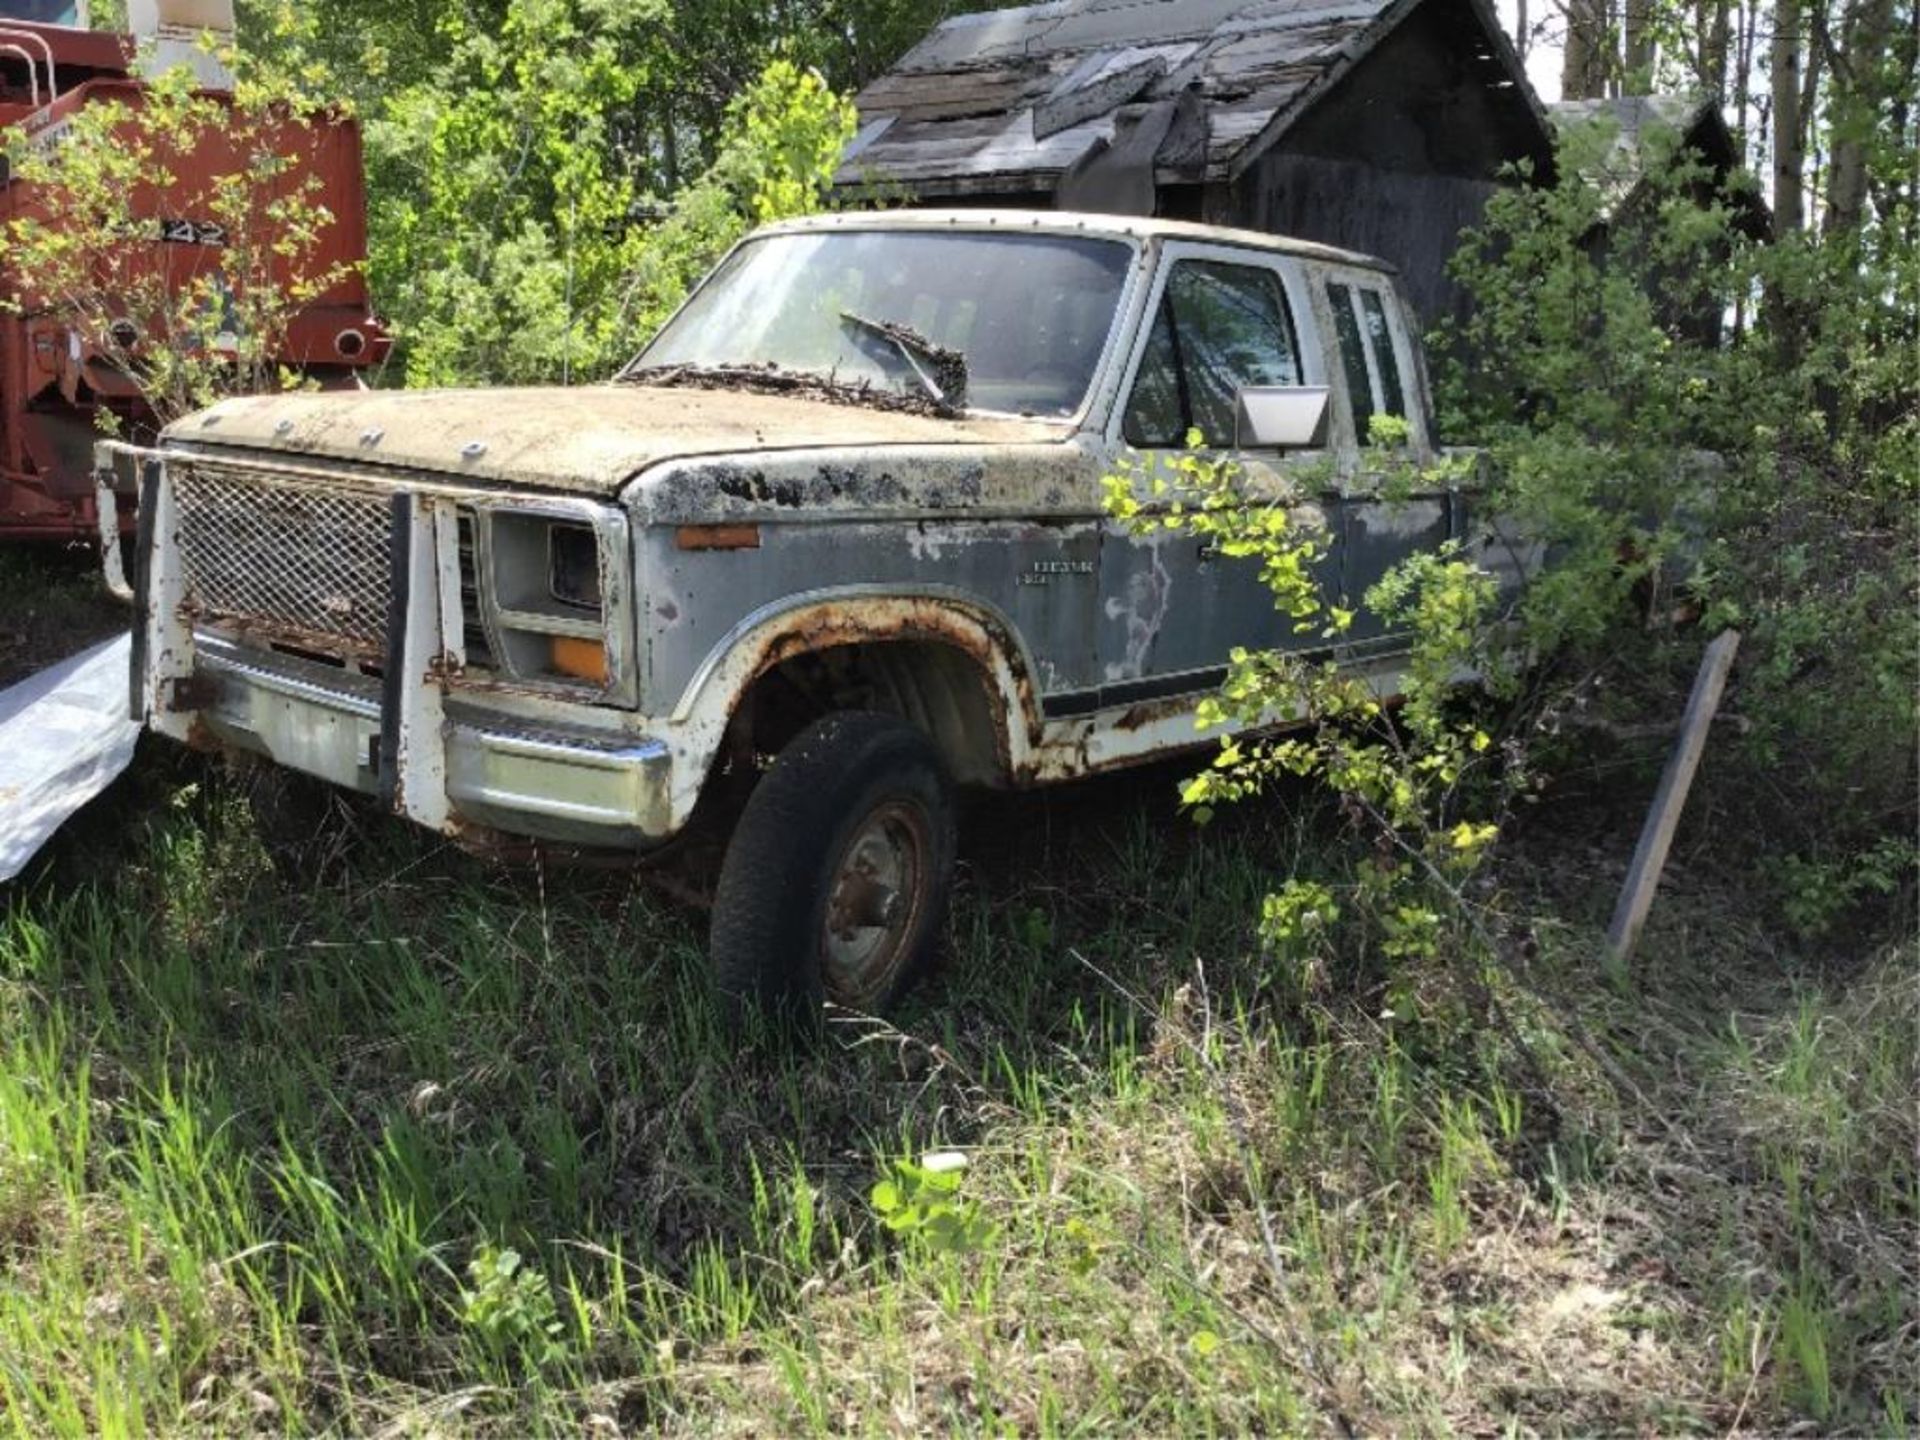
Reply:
x=873, y=909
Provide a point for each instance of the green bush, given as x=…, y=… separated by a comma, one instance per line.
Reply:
x=508, y=238
x=1718, y=429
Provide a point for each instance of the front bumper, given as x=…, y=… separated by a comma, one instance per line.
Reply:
x=431, y=747
x=538, y=780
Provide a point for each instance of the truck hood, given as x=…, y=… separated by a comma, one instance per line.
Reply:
x=589, y=440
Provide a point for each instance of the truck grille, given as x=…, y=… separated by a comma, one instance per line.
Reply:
x=479, y=648
x=303, y=563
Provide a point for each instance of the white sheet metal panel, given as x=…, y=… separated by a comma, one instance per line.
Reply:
x=64, y=737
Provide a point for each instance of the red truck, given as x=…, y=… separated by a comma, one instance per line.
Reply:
x=54, y=381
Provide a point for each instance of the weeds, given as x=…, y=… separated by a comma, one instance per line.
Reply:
x=467, y=1153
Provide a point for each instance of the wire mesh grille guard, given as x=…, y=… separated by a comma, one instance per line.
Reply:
x=306, y=563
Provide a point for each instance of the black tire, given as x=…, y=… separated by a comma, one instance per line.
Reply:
x=852, y=824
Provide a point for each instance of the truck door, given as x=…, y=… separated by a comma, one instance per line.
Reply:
x=1171, y=609
x=1383, y=519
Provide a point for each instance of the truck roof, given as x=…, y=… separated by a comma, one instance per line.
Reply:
x=1067, y=222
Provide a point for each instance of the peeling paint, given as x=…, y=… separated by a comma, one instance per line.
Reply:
x=860, y=486
x=905, y=482
x=1144, y=610
x=1405, y=520
x=926, y=544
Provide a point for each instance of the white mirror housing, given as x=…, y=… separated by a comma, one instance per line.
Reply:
x=1282, y=417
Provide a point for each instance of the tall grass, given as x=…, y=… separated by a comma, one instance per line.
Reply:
x=421, y=1145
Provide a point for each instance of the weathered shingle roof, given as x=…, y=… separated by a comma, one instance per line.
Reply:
x=1633, y=113
x=1010, y=99
x=1633, y=119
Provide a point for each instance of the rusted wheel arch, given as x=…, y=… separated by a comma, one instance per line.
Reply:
x=933, y=685
x=948, y=667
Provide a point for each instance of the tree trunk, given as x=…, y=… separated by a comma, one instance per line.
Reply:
x=670, y=148
x=1813, y=64
x=1642, y=49
x=1589, y=57
x=1789, y=144
x=1743, y=78
x=1858, y=89
x=1712, y=20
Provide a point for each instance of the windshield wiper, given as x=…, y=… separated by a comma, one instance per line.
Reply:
x=945, y=382
x=653, y=374
x=769, y=379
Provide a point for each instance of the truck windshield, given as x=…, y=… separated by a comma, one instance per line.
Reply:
x=1030, y=314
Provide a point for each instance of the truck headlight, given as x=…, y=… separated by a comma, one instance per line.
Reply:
x=573, y=567
x=546, y=596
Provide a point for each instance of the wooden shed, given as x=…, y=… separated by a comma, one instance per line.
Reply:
x=1378, y=125
x=1640, y=134
x=1638, y=127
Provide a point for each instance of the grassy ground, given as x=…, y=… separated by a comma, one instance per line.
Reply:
x=53, y=604
x=405, y=1146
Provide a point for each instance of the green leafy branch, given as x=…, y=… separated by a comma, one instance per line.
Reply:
x=1289, y=712
x=185, y=324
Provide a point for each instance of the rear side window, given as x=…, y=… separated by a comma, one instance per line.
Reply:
x=1374, y=385
x=1353, y=357
x=1220, y=327
x=1393, y=398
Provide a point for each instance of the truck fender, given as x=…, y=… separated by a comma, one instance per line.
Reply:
x=822, y=620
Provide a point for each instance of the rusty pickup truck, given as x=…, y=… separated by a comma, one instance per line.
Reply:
x=835, y=542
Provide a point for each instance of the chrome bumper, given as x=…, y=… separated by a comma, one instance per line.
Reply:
x=540, y=781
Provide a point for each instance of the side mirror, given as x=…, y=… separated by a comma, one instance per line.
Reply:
x=1282, y=417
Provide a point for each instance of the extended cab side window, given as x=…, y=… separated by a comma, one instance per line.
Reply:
x=1220, y=327
x=1372, y=367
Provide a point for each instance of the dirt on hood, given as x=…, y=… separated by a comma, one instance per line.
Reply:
x=590, y=440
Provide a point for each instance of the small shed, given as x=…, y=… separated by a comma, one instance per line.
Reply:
x=1646, y=131
x=1379, y=125
x=1698, y=126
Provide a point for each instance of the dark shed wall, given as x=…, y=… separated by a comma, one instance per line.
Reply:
x=1400, y=157
x=1413, y=221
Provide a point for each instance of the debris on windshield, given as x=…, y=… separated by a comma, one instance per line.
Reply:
x=945, y=374
x=773, y=380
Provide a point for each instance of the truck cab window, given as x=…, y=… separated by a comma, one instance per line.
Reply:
x=1393, y=397
x=1219, y=327
x=1372, y=368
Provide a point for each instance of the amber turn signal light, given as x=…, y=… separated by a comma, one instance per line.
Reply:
x=717, y=537
x=580, y=659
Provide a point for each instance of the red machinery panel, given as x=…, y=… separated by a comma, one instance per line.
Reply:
x=52, y=382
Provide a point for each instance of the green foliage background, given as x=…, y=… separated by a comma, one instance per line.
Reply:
x=546, y=177
x=1709, y=429
x=383, y=1142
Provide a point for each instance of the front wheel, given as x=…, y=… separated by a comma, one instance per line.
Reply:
x=835, y=884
